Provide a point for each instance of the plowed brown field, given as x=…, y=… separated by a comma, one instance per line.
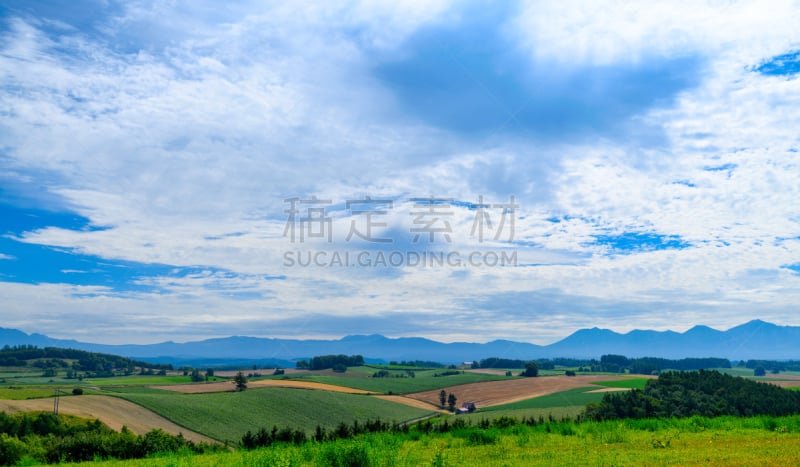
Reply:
x=412, y=403
x=491, y=393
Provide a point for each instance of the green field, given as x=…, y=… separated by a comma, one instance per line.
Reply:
x=573, y=397
x=227, y=416
x=28, y=393
x=423, y=381
x=692, y=441
x=35, y=378
x=735, y=371
x=142, y=380
x=632, y=383
x=119, y=390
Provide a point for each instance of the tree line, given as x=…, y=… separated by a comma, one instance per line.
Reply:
x=323, y=362
x=705, y=393
x=774, y=365
x=652, y=365
x=619, y=364
x=53, y=357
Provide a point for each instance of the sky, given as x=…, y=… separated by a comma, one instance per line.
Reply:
x=462, y=171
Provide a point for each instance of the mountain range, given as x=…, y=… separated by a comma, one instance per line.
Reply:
x=753, y=340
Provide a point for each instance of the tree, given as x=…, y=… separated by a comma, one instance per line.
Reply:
x=241, y=381
x=442, y=397
x=759, y=371
x=531, y=370
x=451, y=402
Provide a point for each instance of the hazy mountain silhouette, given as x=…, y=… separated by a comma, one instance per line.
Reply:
x=753, y=340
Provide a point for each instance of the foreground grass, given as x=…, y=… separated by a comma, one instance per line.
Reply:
x=227, y=416
x=694, y=441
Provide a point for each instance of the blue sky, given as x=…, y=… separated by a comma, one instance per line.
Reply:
x=148, y=150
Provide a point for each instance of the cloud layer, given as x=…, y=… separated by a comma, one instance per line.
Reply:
x=148, y=150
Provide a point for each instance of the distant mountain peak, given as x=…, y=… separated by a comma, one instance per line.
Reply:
x=701, y=329
x=756, y=322
x=363, y=337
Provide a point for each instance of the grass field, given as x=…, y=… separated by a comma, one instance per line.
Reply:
x=632, y=383
x=572, y=397
x=117, y=390
x=693, y=441
x=227, y=416
x=735, y=371
x=142, y=380
x=27, y=393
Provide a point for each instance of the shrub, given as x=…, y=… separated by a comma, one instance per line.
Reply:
x=480, y=438
x=344, y=455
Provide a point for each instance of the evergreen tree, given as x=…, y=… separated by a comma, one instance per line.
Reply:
x=241, y=381
x=451, y=402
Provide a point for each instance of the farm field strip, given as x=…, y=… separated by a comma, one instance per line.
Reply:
x=112, y=411
x=423, y=381
x=139, y=380
x=493, y=393
x=25, y=393
x=609, y=389
x=228, y=386
x=637, y=382
x=784, y=384
x=577, y=397
x=412, y=403
x=226, y=416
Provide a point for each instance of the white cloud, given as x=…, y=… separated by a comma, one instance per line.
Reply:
x=607, y=33
x=185, y=145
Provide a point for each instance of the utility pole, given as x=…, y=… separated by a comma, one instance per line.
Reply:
x=55, y=402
